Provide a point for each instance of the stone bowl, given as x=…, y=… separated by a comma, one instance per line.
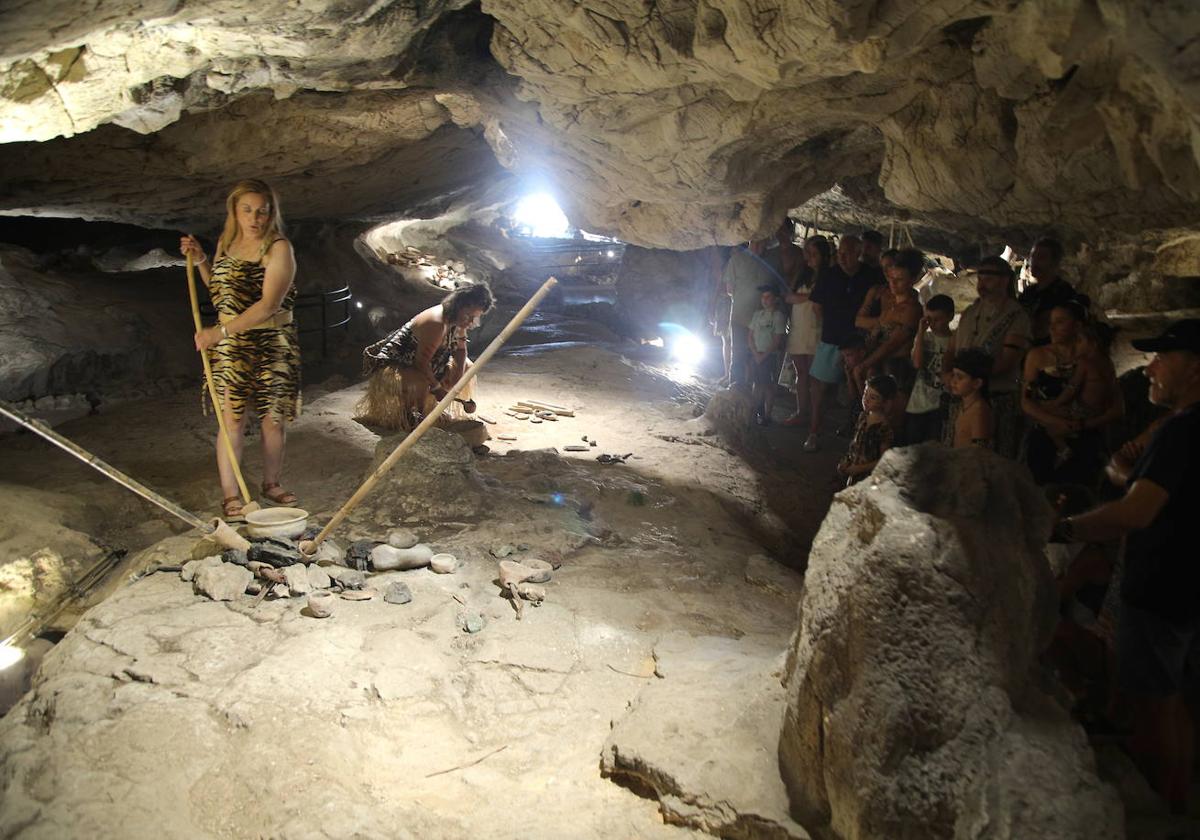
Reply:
x=320, y=603
x=443, y=564
x=277, y=522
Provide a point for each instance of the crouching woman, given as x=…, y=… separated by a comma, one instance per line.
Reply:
x=412, y=369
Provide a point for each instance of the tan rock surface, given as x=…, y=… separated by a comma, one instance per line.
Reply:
x=164, y=713
x=673, y=127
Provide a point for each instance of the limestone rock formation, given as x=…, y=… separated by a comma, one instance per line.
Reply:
x=54, y=342
x=912, y=708
x=711, y=765
x=674, y=126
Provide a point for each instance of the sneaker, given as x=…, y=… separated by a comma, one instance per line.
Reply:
x=810, y=444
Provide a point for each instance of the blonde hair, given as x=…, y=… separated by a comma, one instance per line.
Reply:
x=231, y=230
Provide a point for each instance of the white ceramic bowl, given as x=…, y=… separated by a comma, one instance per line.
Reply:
x=277, y=522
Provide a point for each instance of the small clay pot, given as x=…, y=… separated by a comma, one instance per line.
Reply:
x=320, y=604
x=540, y=568
x=443, y=564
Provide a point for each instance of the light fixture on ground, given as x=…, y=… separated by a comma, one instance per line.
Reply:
x=686, y=349
x=10, y=655
x=541, y=215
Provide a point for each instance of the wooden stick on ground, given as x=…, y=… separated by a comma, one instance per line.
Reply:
x=309, y=547
x=469, y=763
x=212, y=392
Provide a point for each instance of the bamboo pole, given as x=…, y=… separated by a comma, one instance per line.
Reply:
x=91, y=460
x=309, y=547
x=212, y=393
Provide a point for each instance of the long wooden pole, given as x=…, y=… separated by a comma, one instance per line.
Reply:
x=309, y=547
x=92, y=461
x=212, y=389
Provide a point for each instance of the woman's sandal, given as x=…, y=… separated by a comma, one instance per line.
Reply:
x=276, y=495
x=232, y=508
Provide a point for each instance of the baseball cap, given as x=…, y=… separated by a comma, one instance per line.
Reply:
x=1181, y=335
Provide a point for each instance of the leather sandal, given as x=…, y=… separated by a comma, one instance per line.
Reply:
x=232, y=508
x=276, y=495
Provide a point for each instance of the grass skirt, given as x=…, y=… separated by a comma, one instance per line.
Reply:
x=398, y=399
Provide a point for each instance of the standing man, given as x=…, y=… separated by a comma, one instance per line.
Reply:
x=745, y=273
x=839, y=292
x=719, y=308
x=1049, y=289
x=1159, y=622
x=872, y=248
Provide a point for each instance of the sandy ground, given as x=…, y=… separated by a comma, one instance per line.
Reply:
x=166, y=714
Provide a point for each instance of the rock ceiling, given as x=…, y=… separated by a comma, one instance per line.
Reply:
x=673, y=124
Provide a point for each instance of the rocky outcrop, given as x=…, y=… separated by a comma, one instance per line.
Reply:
x=55, y=340
x=673, y=126
x=913, y=709
x=699, y=734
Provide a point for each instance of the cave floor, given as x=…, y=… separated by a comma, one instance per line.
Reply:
x=660, y=644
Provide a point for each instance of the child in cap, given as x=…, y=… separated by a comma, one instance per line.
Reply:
x=768, y=328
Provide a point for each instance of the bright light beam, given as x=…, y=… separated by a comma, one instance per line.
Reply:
x=686, y=348
x=542, y=215
x=10, y=655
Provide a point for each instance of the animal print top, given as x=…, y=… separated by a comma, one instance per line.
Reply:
x=259, y=366
x=399, y=350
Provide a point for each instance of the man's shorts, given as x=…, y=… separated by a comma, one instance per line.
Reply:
x=721, y=313
x=827, y=364
x=766, y=372
x=1152, y=652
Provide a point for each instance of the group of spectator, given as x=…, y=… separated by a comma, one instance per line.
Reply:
x=1028, y=376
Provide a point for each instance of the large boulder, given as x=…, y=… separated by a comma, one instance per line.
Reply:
x=912, y=705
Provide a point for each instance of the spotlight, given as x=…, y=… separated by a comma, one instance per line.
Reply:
x=543, y=217
x=10, y=655
x=557, y=498
x=611, y=254
x=687, y=349
x=358, y=303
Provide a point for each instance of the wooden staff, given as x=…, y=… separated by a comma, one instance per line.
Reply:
x=212, y=393
x=309, y=547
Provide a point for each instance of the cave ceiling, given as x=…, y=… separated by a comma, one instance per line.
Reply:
x=669, y=124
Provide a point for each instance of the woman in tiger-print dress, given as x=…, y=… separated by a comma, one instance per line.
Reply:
x=255, y=349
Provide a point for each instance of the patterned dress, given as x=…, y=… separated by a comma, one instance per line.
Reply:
x=398, y=395
x=870, y=441
x=262, y=364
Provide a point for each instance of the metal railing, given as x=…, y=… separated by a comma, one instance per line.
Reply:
x=321, y=301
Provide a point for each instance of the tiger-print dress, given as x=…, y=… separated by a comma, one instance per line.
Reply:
x=259, y=365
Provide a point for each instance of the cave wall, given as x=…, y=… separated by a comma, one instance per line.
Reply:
x=971, y=124
x=669, y=126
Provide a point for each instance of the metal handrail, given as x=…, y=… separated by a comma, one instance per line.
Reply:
x=312, y=300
